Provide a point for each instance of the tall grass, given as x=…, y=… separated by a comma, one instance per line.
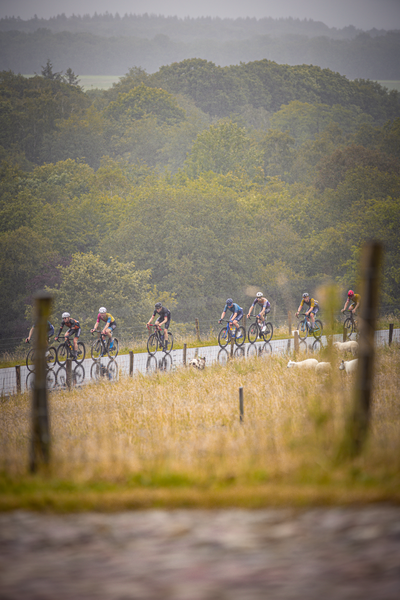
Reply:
x=182, y=428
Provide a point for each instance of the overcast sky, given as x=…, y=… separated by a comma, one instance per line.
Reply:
x=364, y=14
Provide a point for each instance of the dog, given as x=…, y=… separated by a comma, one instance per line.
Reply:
x=198, y=362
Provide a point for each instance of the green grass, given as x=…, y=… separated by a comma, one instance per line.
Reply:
x=175, y=440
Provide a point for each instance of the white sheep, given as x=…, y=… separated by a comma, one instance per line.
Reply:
x=323, y=367
x=198, y=363
x=350, y=345
x=309, y=363
x=350, y=366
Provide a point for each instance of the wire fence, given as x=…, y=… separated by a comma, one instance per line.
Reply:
x=15, y=380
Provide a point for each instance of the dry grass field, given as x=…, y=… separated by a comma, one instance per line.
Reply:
x=175, y=439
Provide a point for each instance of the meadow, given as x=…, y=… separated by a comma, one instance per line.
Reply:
x=176, y=439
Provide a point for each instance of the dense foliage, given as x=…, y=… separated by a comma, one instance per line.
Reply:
x=193, y=184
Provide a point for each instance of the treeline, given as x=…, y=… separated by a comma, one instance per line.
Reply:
x=191, y=185
x=365, y=56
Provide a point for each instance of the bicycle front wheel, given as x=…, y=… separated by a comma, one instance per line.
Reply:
x=240, y=336
x=253, y=333
x=152, y=344
x=303, y=329
x=30, y=360
x=62, y=354
x=317, y=329
x=268, y=333
x=113, y=352
x=223, y=338
x=349, y=327
x=95, y=350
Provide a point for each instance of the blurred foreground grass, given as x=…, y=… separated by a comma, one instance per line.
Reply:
x=175, y=439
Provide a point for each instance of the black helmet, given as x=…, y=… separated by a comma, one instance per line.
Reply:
x=157, y=305
x=229, y=301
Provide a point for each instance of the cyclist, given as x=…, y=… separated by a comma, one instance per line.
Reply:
x=73, y=328
x=266, y=308
x=50, y=332
x=354, y=300
x=163, y=318
x=312, y=310
x=237, y=312
x=109, y=326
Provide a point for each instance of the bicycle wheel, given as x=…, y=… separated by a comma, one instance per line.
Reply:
x=78, y=375
x=152, y=344
x=252, y=350
x=51, y=357
x=349, y=327
x=62, y=353
x=113, y=352
x=112, y=370
x=252, y=334
x=96, y=350
x=95, y=371
x=223, y=338
x=170, y=343
x=151, y=365
x=240, y=336
x=81, y=353
x=318, y=327
x=303, y=329
x=30, y=360
x=268, y=333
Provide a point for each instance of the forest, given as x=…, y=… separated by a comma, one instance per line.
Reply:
x=192, y=184
x=109, y=44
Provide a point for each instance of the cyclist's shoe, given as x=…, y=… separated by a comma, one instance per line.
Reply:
x=111, y=345
x=263, y=329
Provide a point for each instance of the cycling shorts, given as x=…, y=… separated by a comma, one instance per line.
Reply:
x=238, y=316
x=111, y=326
x=166, y=324
x=314, y=310
x=75, y=330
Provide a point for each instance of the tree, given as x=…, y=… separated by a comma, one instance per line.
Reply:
x=47, y=72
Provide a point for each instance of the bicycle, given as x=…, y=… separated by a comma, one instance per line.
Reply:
x=66, y=350
x=305, y=327
x=257, y=330
x=157, y=339
x=230, y=332
x=51, y=358
x=101, y=347
x=349, y=325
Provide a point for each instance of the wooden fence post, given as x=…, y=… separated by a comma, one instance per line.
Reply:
x=232, y=345
x=289, y=316
x=68, y=368
x=391, y=325
x=344, y=333
x=359, y=421
x=197, y=330
x=40, y=433
x=241, y=407
x=184, y=354
x=18, y=378
x=296, y=341
x=131, y=363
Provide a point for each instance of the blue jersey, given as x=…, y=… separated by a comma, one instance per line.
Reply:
x=235, y=308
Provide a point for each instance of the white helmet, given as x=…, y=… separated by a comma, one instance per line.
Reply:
x=65, y=315
x=102, y=309
x=259, y=295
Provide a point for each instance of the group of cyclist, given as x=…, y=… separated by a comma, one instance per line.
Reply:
x=163, y=317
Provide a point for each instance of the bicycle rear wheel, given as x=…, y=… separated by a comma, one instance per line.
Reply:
x=152, y=344
x=169, y=344
x=81, y=353
x=318, y=327
x=62, y=354
x=240, y=336
x=30, y=360
x=303, y=329
x=268, y=333
x=252, y=334
x=51, y=357
x=113, y=352
x=223, y=338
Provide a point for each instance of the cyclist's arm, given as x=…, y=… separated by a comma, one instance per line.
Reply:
x=345, y=305
x=59, y=331
x=233, y=317
x=299, y=309
x=222, y=316
x=250, y=310
x=355, y=308
x=150, y=320
x=28, y=339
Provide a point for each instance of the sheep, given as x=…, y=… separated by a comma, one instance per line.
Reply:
x=350, y=366
x=198, y=362
x=323, y=367
x=351, y=345
x=309, y=363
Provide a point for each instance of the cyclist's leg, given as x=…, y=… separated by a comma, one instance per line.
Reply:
x=312, y=316
x=111, y=329
x=166, y=326
x=77, y=334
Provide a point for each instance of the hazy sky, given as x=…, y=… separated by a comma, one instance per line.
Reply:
x=364, y=14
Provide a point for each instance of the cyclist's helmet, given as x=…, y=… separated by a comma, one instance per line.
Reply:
x=102, y=309
x=259, y=295
x=350, y=293
x=305, y=295
x=157, y=305
x=65, y=315
x=229, y=302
